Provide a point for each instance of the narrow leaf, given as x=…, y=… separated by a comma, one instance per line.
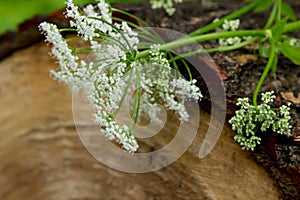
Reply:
x=264, y=5
x=290, y=52
x=288, y=11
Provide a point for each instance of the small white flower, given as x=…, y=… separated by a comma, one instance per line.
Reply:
x=186, y=89
x=114, y=71
x=88, y=26
x=165, y=4
x=230, y=25
x=249, y=119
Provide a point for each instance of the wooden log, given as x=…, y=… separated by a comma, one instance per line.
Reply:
x=42, y=157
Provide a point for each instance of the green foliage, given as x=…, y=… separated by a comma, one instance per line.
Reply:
x=264, y=5
x=288, y=11
x=278, y=29
x=290, y=51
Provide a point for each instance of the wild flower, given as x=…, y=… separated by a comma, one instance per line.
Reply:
x=250, y=119
x=230, y=25
x=165, y=4
x=172, y=91
x=115, y=72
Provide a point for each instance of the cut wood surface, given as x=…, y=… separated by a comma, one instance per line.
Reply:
x=42, y=157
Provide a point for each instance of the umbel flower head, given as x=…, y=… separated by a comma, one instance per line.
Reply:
x=250, y=119
x=115, y=72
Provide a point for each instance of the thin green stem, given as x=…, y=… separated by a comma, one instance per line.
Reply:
x=146, y=37
x=201, y=38
x=219, y=49
x=279, y=2
x=137, y=100
x=113, y=41
x=291, y=27
x=271, y=17
x=187, y=69
x=72, y=39
x=138, y=28
x=231, y=16
x=131, y=16
x=173, y=61
x=265, y=72
x=212, y=36
x=142, y=22
x=67, y=30
x=115, y=28
x=233, y=47
x=124, y=95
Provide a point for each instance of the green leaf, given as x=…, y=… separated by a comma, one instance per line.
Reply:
x=278, y=29
x=290, y=52
x=264, y=5
x=288, y=11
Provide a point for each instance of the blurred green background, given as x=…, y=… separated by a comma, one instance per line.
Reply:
x=14, y=12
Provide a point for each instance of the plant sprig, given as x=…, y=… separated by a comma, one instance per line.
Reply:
x=120, y=61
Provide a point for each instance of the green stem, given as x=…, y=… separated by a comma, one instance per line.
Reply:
x=67, y=30
x=279, y=2
x=142, y=22
x=220, y=49
x=271, y=17
x=116, y=29
x=137, y=100
x=73, y=39
x=187, y=69
x=291, y=27
x=201, y=38
x=231, y=16
x=124, y=95
x=138, y=28
x=265, y=72
x=173, y=62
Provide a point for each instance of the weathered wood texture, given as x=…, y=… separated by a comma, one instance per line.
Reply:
x=42, y=157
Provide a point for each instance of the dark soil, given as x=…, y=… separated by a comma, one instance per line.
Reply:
x=279, y=155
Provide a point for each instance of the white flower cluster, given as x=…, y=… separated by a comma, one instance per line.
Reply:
x=165, y=4
x=249, y=119
x=115, y=72
x=67, y=60
x=173, y=91
x=102, y=80
x=231, y=25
